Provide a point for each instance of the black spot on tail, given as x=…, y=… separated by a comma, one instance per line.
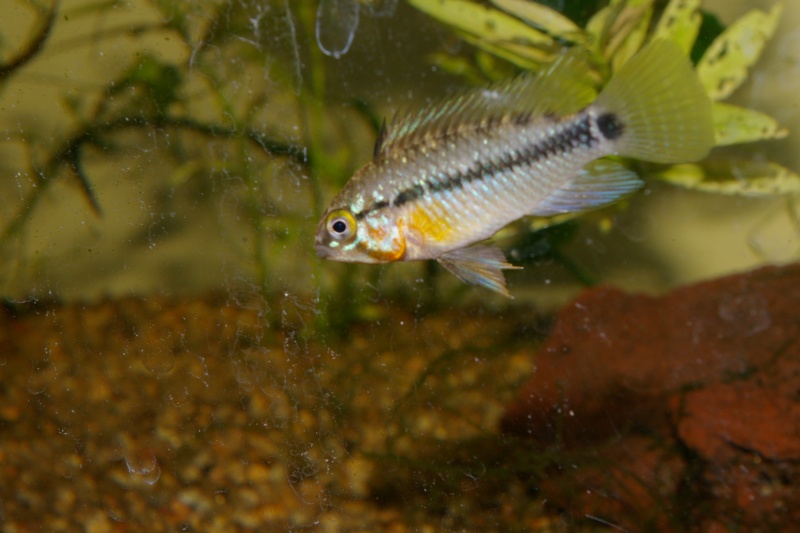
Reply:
x=610, y=126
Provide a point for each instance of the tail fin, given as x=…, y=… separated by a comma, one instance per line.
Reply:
x=660, y=105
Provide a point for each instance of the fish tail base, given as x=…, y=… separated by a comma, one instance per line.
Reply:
x=655, y=108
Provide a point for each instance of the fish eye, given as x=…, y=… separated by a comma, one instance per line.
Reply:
x=341, y=225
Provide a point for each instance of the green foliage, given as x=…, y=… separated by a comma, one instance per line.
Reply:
x=192, y=85
x=161, y=81
x=710, y=29
x=530, y=34
x=217, y=127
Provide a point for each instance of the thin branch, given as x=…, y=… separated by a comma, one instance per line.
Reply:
x=35, y=46
x=70, y=155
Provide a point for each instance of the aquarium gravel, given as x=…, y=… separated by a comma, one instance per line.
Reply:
x=195, y=415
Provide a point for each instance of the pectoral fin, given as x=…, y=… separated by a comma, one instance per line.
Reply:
x=481, y=264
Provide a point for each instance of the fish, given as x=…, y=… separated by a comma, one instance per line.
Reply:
x=444, y=180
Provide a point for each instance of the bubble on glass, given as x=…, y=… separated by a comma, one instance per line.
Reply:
x=746, y=313
x=380, y=8
x=177, y=396
x=142, y=464
x=776, y=237
x=156, y=353
x=250, y=371
x=337, y=21
x=70, y=466
x=636, y=229
x=156, y=360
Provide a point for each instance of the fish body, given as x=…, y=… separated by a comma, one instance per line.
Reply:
x=445, y=179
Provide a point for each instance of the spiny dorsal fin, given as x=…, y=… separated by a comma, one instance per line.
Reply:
x=560, y=89
x=380, y=141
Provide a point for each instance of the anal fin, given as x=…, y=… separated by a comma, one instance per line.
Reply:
x=481, y=264
x=600, y=182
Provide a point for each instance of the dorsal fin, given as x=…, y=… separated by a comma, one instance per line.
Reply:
x=562, y=88
x=379, y=142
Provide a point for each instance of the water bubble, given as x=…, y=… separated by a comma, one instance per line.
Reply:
x=142, y=464
x=337, y=21
x=381, y=8
x=156, y=353
x=746, y=313
x=776, y=237
x=250, y=371
x=178, y=395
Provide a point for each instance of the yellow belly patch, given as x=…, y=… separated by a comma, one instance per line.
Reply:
x=429, y=227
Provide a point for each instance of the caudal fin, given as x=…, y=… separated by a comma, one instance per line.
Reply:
x=658, y=107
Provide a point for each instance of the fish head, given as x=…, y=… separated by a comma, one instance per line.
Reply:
x=372, y=238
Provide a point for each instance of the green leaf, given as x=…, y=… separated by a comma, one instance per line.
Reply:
x=640, y=12
x=734, y=176
x=680, y=22
x=710, y=29
x=163, y=80
x=543, y=18
x=724, y=65
x=734, y=124
x=90, y=9
x=599, y=25
x=620, y=29
x=493, y=68
x=539, y=223
x=525, y=57
x=579, y=11
x=492, y=30
x=458, y=66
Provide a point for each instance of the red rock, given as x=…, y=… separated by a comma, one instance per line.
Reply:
x=711, y=369
x=767, y=423
x=626, y=485
x=614, y=358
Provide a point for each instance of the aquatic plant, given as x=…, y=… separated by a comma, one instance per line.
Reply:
x=529, y=35
x=226, y=105
x=206, y=104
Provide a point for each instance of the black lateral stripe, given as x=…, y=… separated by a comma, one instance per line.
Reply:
x=374, y=207
x=410, y=194
x=577, y=135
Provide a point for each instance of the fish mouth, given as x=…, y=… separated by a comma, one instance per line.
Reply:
x=323, y=251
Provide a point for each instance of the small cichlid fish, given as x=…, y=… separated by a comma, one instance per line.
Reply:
x=453, y=174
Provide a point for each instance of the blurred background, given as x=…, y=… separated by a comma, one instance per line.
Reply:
x=174, y=147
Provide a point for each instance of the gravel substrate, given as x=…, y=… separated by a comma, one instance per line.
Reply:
x=226, y=414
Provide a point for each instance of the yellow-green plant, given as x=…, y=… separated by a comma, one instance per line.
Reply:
x=529, y=35
x=231, y=117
